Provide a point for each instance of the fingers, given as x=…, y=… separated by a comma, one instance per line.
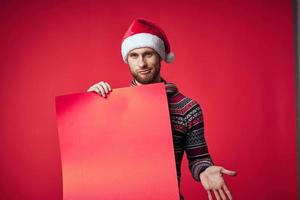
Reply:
x=228, y=172
x=102, y=88
x=217, y=195
x=109, y=88
x=90, y=89
x=222, y=194
x=209, y=195
x=219, y=192
x=227, y=192
x=102, y=91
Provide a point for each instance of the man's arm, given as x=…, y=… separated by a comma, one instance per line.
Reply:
x=195, y=144
x=200, y=163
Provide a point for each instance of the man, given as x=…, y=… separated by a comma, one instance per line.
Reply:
x=144, y=46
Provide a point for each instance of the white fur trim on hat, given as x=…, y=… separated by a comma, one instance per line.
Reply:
x=143, y=40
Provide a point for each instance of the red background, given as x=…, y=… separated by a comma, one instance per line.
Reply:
x=234, y=57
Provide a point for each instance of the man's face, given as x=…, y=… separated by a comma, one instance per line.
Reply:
x=144, y=65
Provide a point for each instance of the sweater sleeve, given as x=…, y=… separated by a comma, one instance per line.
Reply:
x=195, y=145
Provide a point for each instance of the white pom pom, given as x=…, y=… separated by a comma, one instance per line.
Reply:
x=170, y=57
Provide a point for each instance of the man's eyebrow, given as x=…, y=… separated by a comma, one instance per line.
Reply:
x=132, y=53
x=145, y=52
x=148, y=51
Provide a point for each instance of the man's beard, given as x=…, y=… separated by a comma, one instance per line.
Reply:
x=146, y=78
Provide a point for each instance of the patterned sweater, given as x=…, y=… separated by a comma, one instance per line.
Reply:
x=188, y=132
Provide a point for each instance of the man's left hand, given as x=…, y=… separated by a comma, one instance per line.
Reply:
x=212, y=180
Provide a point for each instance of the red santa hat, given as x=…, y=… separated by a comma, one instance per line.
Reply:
x=143, y=33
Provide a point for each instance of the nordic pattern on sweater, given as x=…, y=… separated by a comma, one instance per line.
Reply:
x=188, y=134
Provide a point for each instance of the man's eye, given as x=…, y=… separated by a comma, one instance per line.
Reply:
x=149, y=54
x=133, y=55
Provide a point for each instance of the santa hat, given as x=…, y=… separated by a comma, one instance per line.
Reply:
x=143, y=33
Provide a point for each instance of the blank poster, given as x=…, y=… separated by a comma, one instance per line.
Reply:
x=119, y=147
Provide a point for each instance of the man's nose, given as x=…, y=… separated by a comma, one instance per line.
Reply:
x=142, y=62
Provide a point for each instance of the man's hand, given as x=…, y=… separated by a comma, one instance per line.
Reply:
x=212, y=180
x=102, y=88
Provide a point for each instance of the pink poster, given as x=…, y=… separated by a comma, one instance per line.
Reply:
x=119, y=147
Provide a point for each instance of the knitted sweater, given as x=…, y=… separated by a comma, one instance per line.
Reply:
x=188, y=134
x=188, y=131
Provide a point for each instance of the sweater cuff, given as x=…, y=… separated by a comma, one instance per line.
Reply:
x=199, y=167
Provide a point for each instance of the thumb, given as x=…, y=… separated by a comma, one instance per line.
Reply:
x=228, y=172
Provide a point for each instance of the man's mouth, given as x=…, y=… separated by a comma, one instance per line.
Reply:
x=145, y=71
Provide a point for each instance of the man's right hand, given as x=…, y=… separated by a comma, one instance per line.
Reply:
x=102, y=88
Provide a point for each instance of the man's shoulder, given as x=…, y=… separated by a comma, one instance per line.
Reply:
x=181, y=104
x=178, y=98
